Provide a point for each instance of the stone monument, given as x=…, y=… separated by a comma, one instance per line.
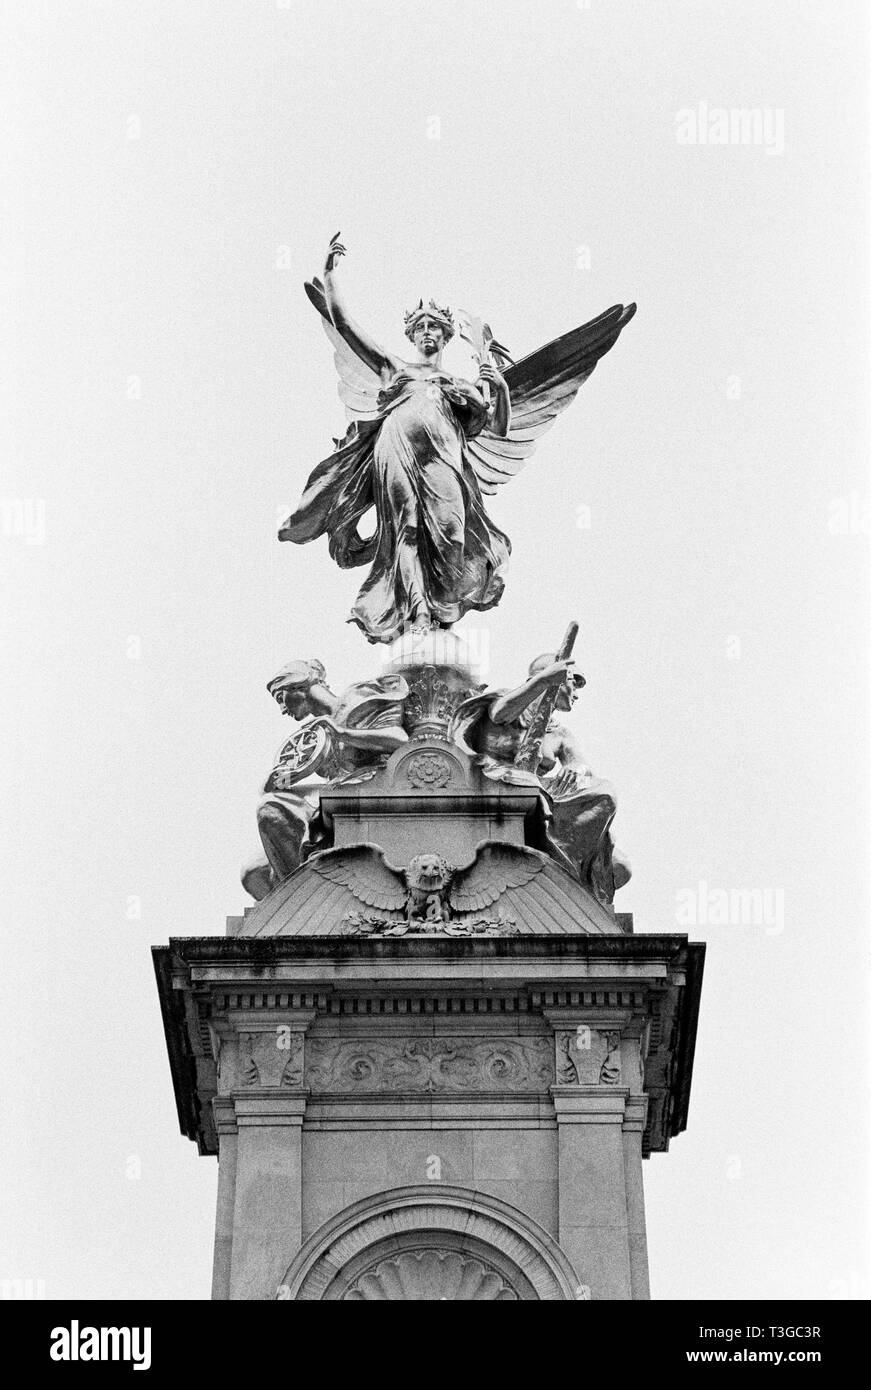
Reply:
x=430, y=1057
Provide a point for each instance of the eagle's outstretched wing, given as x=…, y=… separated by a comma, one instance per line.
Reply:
x=358, y=384
x=363, y=870
x=541, y=387
x=497, y=867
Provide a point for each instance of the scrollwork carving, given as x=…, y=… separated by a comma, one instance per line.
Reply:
x=428, y=1064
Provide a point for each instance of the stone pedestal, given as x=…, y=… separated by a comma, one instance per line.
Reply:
x=431, y=1118
x=430, y=1062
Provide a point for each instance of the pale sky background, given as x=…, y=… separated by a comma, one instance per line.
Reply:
x=167, y=389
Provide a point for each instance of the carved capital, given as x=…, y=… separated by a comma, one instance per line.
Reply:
x=586, y=1056
x=269, y=1056
x=272, y=1058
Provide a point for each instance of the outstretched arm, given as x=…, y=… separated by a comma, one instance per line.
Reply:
x=507, y=707
x=384, y=739
x=357, y=339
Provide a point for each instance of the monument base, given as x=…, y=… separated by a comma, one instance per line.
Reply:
x=422, y=1117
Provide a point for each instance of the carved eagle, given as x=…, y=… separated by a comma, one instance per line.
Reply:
x=429, y=888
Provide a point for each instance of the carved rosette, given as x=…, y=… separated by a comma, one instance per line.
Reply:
x=428, y=771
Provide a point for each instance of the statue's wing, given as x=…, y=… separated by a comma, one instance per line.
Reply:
x=541, y=387
x=497, y=868
x=358, y=384
x=363, y=870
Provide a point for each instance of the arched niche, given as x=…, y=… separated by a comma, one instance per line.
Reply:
x=430, y=1242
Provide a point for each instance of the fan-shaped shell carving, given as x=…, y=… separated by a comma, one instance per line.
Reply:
x=436, y=1275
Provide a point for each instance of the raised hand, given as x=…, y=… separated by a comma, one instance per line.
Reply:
x=487, y=372
x=558, y=672
x=336, y=251
x=493, y=377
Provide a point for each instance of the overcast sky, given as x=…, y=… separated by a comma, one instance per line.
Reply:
x=174, y=171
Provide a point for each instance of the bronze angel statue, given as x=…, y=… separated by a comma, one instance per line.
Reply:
x=422, y=448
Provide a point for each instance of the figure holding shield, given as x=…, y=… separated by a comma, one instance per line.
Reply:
x=339, y=738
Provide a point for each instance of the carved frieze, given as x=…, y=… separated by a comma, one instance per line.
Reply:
x=428, y=1064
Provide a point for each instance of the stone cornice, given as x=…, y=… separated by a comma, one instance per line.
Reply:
x=218, y=951
x=644, y=987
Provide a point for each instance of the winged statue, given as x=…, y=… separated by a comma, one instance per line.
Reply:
x=429, y=892
x=423, y=447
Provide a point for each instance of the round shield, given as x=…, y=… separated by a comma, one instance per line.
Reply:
x=301, y=756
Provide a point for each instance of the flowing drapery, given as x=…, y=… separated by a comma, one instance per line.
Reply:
x=435, y=552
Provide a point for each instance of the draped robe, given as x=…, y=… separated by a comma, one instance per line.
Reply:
x=434, y=550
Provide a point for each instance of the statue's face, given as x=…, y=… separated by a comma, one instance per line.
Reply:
x=566, y=695
x=294, y=701
x=429, y=336
x=428, y=872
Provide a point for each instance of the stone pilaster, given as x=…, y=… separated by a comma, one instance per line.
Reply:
x=259, y=1111
x=228, y=1141
x=593, y=1217
x=633, y=1132
x=267, y=1217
